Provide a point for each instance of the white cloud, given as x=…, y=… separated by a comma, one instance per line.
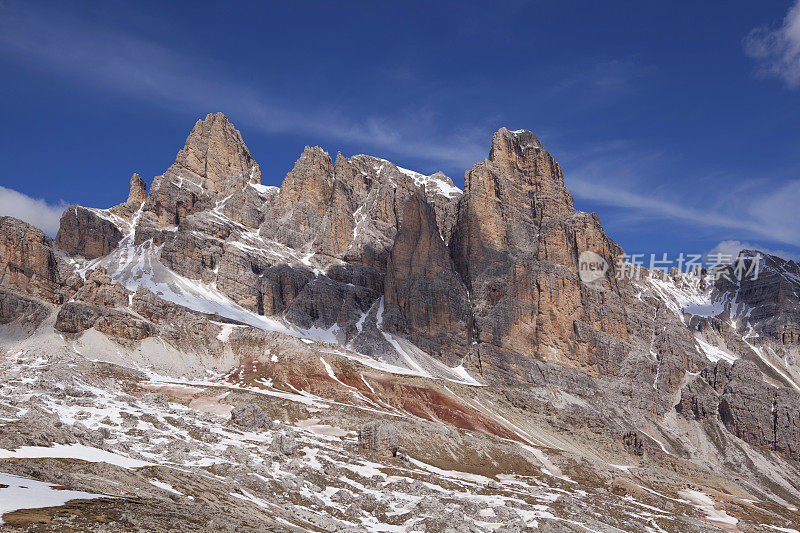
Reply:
x=32, y=210
x=777, y=50
x=732, y=248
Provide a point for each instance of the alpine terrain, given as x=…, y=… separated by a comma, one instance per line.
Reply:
x=367, y=348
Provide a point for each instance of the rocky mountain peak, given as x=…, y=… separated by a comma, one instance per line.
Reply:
x=522, y=175
x=311, y=179
x=439, y=175
x=315, y=160
x=215, y=151
x=767, y=296
x=516, y=245
x=515, y=150
x=138, y=192
x=212, y=165
x=513, y=147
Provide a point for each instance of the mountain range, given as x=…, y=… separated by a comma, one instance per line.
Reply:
x=370, y=348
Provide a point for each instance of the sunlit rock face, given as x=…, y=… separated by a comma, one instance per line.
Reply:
x=516, y=245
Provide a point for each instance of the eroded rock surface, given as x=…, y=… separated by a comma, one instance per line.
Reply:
x=250, y=416
x=84, y=232
x=424, y=296
x=516, y=245
x=138, y=192
x=379, y=437
x=27, y=261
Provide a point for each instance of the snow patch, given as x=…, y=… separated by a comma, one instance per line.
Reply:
x=73, y=451
x=264, y=189
x=22, y=493
x=165, y=486
x=714, y=353
x=432, y=183
x=225, y=332
x=705, y=503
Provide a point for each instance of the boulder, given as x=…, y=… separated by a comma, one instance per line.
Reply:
x=379, y=437
x=284, y=443
x=250, y=416
x=75, y=317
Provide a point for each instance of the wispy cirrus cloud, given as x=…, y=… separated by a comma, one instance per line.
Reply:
x=777, y=50
x=40, y=213
x=126, y=64
x=613, y=174
x=612, y=78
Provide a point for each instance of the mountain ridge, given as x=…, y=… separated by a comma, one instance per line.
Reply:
x=464, y=313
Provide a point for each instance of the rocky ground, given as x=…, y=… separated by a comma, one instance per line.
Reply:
x=299, y=444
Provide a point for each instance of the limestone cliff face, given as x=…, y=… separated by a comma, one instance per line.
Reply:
x=424, y=296
x=84, y=232
x=138, y=192
x=27, y=261
x=345, y=213
x=532, y=171
x=348, y=208
x=314, y=251
x=493, y=275
x=99, y=289
x=751, y=408
x=516, y=245
x=296, y=218
x=214, y=161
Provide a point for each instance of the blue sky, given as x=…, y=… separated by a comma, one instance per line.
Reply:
x=677, y=122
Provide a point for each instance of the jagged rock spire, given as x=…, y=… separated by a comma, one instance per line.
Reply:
x=138, y=192
x=214, y=162
x=512, y=146
x=516, y=246
x=215, y=151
